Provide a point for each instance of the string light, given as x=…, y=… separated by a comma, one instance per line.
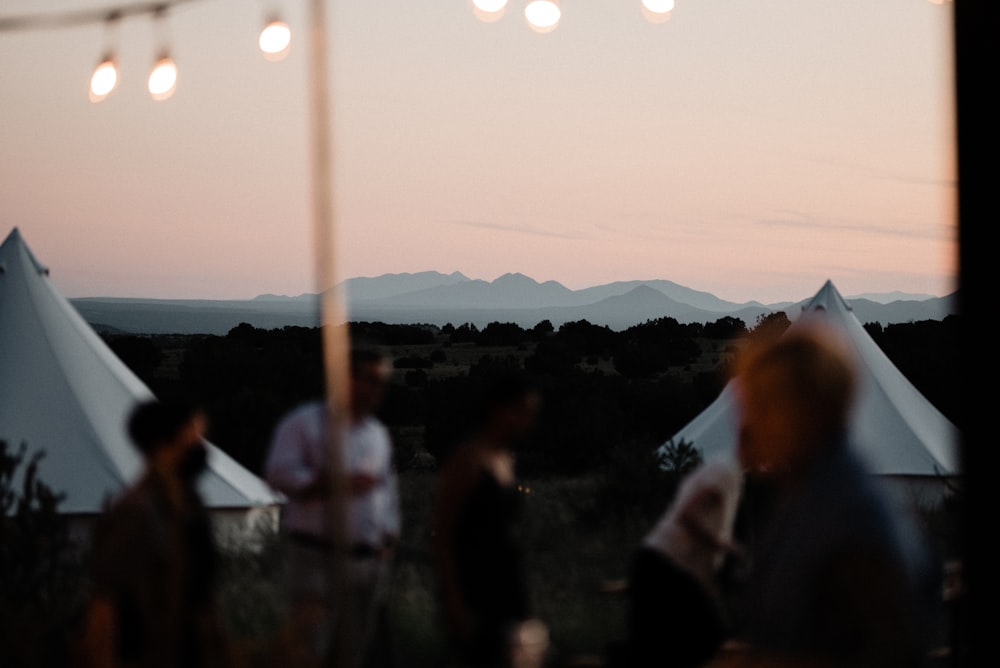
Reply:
x=106, y=76
x=657, y=11
x=162, y=80
x=543, y=15
x=105, y=79
x=489, y=11
x=275, y=39
x=80, y=17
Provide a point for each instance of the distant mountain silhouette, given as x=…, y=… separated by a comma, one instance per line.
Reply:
x=889, y=297
x=437, y=298
x=391, y=285
x=507, y=291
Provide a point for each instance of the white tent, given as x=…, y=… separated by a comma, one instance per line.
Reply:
x=900, y=435
x=64, y=392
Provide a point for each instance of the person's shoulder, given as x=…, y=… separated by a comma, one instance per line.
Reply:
x=464, y=464
x=307, y=413
x=307, y=410
x=130, y=510
x=374, y=427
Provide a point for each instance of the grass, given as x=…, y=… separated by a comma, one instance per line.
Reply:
x=578, y=534
x=572, y=549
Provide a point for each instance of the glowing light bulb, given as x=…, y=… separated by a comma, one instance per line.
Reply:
x=542, y=15
x=657, y=11
x=488, y=11
x=658, y=6
x=163, y=78
x=275, y=40
x=104, y=79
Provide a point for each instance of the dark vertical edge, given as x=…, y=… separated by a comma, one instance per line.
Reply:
x=977, y=39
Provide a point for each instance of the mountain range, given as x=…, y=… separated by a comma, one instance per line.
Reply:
x=437, y=298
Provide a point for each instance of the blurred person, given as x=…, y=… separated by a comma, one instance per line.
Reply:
x=297, y=465
x=676, y=609
x=483, y=596
x=154, y=559
x=835, y=578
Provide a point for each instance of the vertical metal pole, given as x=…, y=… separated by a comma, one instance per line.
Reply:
x=343, y=626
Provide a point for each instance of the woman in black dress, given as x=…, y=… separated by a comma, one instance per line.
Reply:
x=483, y=596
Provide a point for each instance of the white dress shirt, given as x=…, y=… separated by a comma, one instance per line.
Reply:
x=298, y=457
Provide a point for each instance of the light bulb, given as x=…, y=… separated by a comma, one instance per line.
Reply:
x=658, y=6
x=104, y=79
x=163, y=78
x=275, y=40
x=542, y=15
x=488, y=11
x=657, y=11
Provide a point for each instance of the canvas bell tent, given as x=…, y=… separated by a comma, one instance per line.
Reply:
x=902, y=437
x=64, y=392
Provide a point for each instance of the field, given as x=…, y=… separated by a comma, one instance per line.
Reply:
x=590, y=484
x=576, y=556
x=577, y=548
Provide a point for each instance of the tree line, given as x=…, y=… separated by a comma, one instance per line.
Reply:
x=610, y=396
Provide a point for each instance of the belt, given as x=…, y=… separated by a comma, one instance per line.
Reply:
x=356, y=550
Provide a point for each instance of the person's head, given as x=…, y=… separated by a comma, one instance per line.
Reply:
x=371, y=369
x=511, y=407
x=170, y=436
x=795, y=394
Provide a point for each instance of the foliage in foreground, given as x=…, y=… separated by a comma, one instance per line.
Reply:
x=40, y=583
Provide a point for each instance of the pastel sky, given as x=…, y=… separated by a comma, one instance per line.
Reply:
x=749, y=148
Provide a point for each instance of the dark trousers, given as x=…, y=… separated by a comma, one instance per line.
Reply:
x=673, y=621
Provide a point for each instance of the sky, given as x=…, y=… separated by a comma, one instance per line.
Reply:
x=749, y=148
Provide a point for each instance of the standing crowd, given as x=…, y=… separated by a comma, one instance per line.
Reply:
x=785, y=556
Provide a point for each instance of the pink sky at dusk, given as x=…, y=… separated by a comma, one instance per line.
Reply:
x=749, y=149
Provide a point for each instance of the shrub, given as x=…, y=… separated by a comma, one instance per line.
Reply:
x=40, y=574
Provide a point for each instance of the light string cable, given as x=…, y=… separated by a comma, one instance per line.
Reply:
x=80, y=17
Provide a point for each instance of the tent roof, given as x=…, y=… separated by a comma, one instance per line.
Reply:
x=897, y=430
x=64, y=392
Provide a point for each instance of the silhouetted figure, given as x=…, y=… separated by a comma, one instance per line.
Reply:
x=834, y=577
x=676, y=613
x=298, y=466
x=484, y=598
x=154, y=556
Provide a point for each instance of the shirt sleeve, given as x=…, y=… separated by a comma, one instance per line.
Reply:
x=289, y=468
x=393, y=518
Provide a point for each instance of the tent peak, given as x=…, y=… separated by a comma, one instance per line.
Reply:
x=14, y=236
x=11, y=246
x=828, y=298
x=64, y=391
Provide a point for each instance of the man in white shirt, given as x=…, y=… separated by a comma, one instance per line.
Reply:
x=298, y=467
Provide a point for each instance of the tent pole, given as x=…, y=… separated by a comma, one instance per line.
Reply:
x=342, y=632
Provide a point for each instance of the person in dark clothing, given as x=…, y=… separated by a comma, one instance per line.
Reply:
x=676, y=614
x=835, y=578
x=484, y=600
x=154, y=559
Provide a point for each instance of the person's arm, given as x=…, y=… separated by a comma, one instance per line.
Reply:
x=100, y=633
x=288, y=468
x=393, y=512
x=453, y=487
